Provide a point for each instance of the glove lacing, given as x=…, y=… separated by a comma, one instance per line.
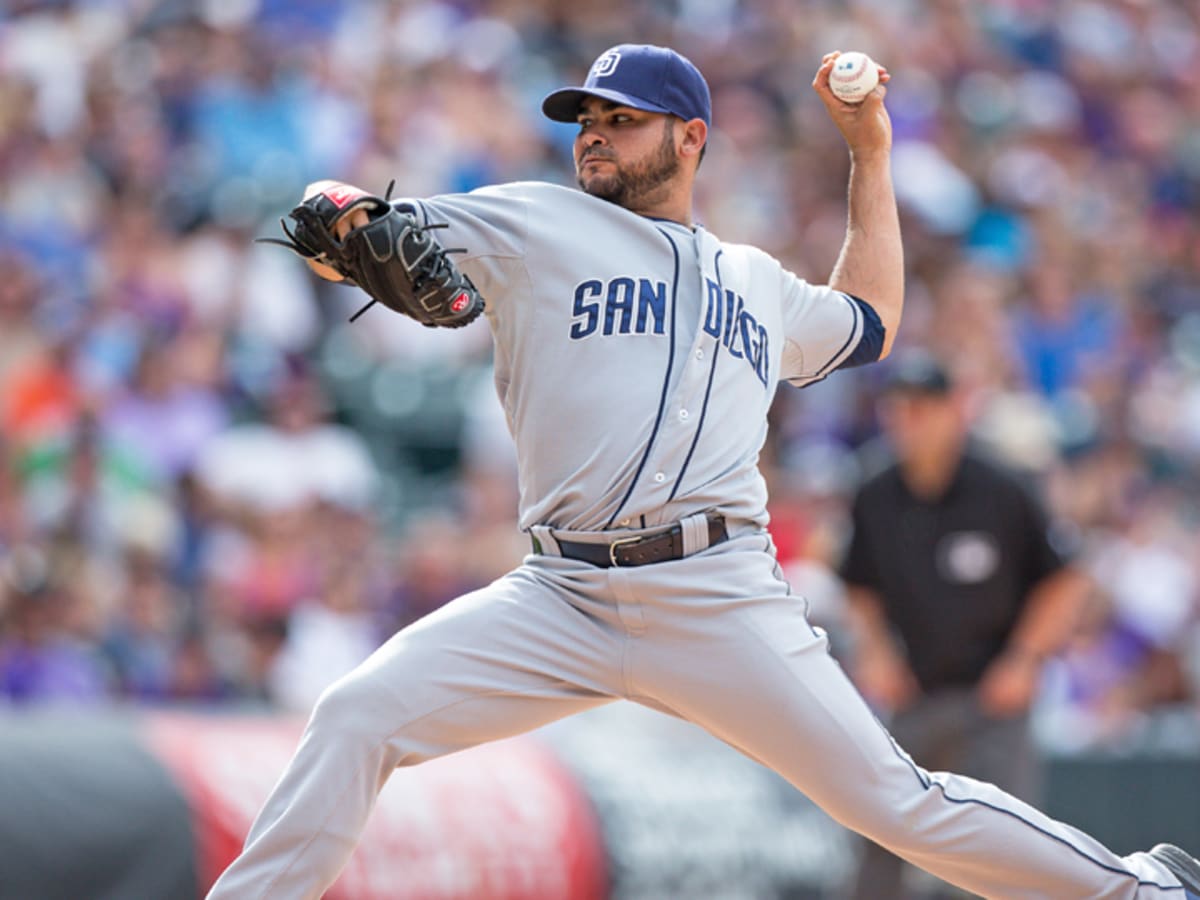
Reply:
x=439, y=258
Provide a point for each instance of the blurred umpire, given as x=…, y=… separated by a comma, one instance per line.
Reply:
x=956, y=595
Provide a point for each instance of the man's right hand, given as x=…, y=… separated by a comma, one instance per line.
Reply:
x=866, y=126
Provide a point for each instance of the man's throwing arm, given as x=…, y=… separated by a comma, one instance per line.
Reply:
x=871, y=263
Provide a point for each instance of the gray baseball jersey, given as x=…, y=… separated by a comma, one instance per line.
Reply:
x=671, y=335
x=636, y=361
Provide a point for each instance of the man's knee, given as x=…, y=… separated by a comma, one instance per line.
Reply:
x=351, y=705
x=898, y=818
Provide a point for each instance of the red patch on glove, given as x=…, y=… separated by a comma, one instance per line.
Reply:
x=342, y=195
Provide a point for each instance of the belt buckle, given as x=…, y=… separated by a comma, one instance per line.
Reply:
x=612, y=548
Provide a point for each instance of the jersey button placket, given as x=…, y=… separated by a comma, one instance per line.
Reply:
x=688, y=395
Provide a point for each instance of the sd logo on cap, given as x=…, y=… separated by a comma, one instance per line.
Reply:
x=641, y=76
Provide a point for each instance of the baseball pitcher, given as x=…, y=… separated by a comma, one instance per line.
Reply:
x=636, y=356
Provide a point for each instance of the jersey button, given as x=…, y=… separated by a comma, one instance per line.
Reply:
x=683, y=414
x=660, y=477
x=700, y=353
x=624, y=523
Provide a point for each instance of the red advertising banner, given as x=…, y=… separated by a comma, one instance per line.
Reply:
x=505, y=821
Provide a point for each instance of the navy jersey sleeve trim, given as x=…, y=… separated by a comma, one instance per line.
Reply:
x=838, y=358
x=870, y=344
x=864, y=343
x=855, y=335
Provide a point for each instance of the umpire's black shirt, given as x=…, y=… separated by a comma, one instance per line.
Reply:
x=953, y=573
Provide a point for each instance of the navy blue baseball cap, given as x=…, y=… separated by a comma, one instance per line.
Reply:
x=641, y=76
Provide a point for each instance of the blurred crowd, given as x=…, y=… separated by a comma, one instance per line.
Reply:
x=214, y=489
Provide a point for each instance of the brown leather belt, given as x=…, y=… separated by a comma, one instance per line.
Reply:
x=640, y=551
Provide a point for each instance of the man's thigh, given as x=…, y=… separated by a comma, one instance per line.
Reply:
x=493, y=663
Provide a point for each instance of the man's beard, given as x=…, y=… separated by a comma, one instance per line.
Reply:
x=627, y=187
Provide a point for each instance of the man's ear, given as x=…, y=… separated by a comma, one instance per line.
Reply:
x=693, y=138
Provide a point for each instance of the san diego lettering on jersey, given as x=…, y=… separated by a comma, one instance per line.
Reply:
x=727, y=319
x=638, y=306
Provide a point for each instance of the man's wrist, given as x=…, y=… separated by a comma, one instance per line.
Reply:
x=868, y=156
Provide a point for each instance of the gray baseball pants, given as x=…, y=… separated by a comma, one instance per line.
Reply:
x=715, y=638
x=947, y=729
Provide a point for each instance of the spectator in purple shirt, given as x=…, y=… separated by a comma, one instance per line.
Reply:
x=41, y=659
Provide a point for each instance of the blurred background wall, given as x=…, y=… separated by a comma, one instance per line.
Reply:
x=216, y=495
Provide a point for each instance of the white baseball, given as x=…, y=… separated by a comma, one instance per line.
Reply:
x=854, y=75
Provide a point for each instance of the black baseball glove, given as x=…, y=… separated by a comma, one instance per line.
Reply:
x=392, y=257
